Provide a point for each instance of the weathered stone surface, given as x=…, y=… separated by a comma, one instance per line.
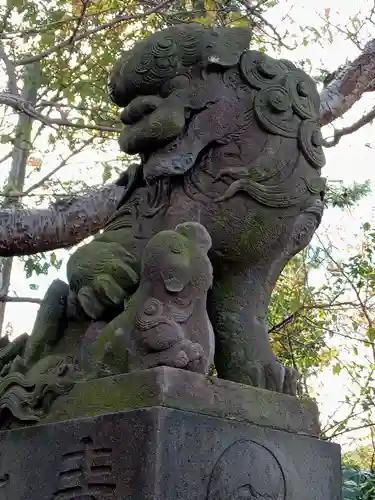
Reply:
x=227, y=191
x=165, y=454
x=189, y=391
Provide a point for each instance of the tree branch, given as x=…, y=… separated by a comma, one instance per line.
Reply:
x=350, y=281
x=59, y=167
x=88, y=33
x=339, y=133
x=336, y=434
x=10, y=70
x=32, y=300
x=85, y=4
x=22, y=106
x=291, y=317
x=62, y=225
x=348, y=86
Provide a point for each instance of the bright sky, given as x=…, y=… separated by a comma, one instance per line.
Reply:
x=351, y=160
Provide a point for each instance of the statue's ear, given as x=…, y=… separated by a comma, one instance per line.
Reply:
x=225, y=46
x=196, y=233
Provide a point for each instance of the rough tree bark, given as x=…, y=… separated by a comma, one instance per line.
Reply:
x=64, y=224
x=348, y=86
x=16, y=179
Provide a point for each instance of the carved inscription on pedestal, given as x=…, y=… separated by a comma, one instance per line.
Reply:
x=4, y=480
x=4, y=476
x=86, y=473
x=247, y=471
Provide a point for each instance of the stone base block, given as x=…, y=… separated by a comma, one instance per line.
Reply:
x=164, y=453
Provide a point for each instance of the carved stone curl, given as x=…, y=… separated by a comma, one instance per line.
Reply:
x=165, y=322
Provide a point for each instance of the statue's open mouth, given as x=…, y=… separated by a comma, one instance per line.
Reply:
x=159, y=130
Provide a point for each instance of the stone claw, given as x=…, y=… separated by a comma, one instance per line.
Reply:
x=274, y=376
x=291, y=381
x=184, y=355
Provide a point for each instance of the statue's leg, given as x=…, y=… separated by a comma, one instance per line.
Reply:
x=237, y=308
x=49, y=324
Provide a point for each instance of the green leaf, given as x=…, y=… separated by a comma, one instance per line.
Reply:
x=5, y=138
x=371, y=334
x=203, y=20
x=53, y=258
x=243, y=23
x=107, y=172
x=337, y=368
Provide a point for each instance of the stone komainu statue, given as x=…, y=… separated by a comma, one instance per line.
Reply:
x=228, y=190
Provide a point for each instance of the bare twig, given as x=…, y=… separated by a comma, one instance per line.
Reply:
x=350, y=281
x=85, y=4
x=299, y=311
x=59, y=167
x=22, y=106
x=368, y=425
x=339, y=133
x=340, y=334
x=57, y=105
x=348, y=34
x=6, y=157
x=44, y=27
x=10, y=70
x=280, y=39
x=32, y=300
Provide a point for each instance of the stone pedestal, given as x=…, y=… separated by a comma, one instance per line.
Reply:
x=166, y=434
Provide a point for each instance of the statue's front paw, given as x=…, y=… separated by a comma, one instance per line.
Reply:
x=274, y=376
x=100, y=276
x=184, y=355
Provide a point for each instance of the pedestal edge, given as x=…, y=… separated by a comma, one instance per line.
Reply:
x=184, y=390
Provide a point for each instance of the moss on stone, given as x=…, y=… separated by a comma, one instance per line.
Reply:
x=101, y=396
x=110, y=349
x=186, y=391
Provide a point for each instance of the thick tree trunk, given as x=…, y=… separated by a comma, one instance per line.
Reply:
x=348, y=85
x=16, y=179
x=62, y=225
